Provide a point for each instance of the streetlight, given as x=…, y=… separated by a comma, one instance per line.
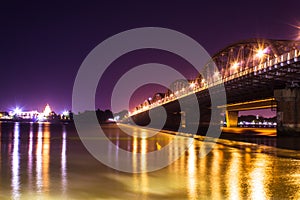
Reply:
x=216, y=74
x=192, y=85
x=261, y=53
x=235, y=65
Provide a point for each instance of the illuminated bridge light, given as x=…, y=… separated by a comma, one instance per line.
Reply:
x=235, y=65
x=239, y=60
x=216, y=74
x=261, y=53
x=192, y=85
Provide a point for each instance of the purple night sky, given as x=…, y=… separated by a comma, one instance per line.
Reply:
x=43, y=45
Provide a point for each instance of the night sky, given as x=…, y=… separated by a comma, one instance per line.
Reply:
x=43, y=45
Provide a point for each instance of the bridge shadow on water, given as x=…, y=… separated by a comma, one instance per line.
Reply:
x=259, y=136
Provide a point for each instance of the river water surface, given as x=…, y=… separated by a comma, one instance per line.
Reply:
x=49, y=161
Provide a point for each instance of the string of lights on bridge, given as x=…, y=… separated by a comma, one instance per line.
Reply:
x=249, y=57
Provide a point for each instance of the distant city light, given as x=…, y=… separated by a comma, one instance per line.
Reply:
x=117, y=118
x=47, y=114
x=111, y=120
x=47, y=110
x=65, y=113
x=17, y=111
x=41, y=118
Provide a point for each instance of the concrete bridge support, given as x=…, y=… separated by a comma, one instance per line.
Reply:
x=232, y=118
x=232, y=110
x=288, y=111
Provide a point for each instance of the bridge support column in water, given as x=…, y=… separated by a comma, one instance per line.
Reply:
x=232, y=118
x=288, y=111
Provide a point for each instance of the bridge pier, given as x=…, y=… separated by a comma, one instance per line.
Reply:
x=288, y=111
x=232, y=118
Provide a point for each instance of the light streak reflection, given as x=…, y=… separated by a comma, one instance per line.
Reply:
x=39, y=180
x=42, y=159
x=233, y=176
x=192, y=176
x=216, y=171
x=15, y=165
x=64, y=182
x=30, y=156
x=258, y=178
x=0, y=152
x=139, y=161
x=134, y=163
x=144, y=175
x=46, y=158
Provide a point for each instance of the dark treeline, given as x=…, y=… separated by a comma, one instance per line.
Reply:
x=254, y=118
x=102, y=116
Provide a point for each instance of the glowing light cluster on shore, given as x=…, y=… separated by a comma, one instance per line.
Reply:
x=47, y=110
x=18, y=113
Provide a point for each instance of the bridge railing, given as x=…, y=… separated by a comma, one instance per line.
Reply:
x=286, y=57
x=276, y=62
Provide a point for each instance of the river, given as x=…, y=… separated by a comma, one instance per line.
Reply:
x=49, y=161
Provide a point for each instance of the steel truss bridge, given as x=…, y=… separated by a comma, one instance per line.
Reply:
x=252, y=71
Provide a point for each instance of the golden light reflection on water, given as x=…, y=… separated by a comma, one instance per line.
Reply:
x=203, y=171
x=134, y=163
x=225, y=173
x=144, y=175
x=46, y=158
x=233, y=178
x=217, y=158
x=192, y=175
x=39, y=146
x=0, y=152
x=258, y=176
x=42, y=159
x=140, y=180
x=64, y=181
